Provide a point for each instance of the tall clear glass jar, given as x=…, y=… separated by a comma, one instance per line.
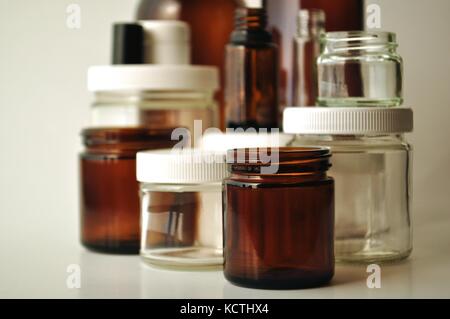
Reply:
x=360, y=68
x=153, y=96
x=371, y=166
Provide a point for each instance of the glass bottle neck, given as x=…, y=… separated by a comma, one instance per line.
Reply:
x=359, y=41
x=250, y=19
x=310, y=23
x=250, y=27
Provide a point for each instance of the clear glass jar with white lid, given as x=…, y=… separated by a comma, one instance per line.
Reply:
x=371, y=165
x=181, y=207
x=153, y=96
x=360, y=68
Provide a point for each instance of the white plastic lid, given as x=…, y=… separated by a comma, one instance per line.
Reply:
x=153, y=77
x=347, y=120
x=166, y=42
x=253, y=3
x=176, y=166
x=222, y=142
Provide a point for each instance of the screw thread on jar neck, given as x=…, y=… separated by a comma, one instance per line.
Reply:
x=359, y=40
x=299, y=161
x=250, y=18
x=127, y=140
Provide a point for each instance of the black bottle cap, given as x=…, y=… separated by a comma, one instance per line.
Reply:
x=128, y=43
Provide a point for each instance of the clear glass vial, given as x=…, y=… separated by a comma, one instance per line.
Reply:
x=360, y=68
x=307, y=48
x=181, y=207
x=279, y=218
x=371, y=165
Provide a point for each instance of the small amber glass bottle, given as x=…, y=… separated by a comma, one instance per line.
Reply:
x=278, y=225
x=252, y=66
x=109, y=190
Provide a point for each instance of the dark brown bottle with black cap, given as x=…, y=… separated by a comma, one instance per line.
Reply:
x=252, y=66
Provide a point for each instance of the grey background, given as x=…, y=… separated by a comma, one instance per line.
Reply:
x=44, y=104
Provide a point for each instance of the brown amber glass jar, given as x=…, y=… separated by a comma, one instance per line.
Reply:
x=278, y=225
x=109, y=190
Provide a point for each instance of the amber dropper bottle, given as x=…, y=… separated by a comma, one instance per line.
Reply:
x=252, y=66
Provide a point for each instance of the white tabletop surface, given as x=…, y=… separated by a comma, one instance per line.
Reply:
x=38, y=269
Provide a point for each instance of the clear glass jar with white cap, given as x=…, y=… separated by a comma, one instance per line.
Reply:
x=371, y=165
x=181, y=207
x=157, y=88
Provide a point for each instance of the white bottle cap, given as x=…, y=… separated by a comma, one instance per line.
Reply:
x=254, y=3
x=222, y=142
x=166, y=42
x=347, y=120
x=176, y=166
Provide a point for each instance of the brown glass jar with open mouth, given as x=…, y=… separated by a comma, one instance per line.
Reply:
x=110, y=209
x=279, y=218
